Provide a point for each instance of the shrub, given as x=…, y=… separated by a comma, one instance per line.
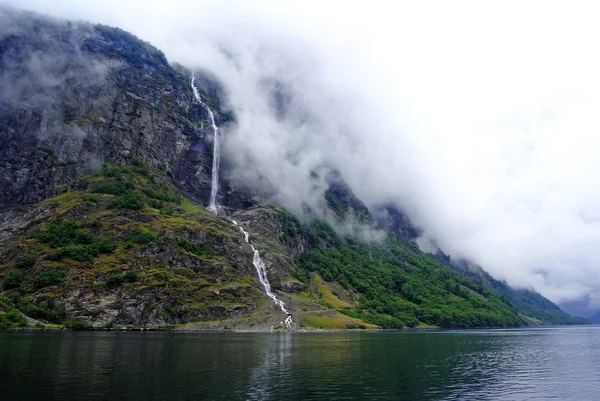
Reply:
x=121, y=278
x=48, y=277
x=115, y=279
x=160, y=196
x=89, y=198
x=113, y=188
x=130, y=276
x=195, y=248
x=77, y=324
x=130, y=200
x=83, y=236
x=93, y=246
x=58, y=233
x=104, y=245
x=140, y=236
x=12, y=319
x=50, y=310
x=26, y=261
x=79, y=253
x=13, y=279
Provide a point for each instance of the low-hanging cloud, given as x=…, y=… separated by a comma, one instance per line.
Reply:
x=477, y=119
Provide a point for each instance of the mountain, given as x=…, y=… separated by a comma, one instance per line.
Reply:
x=580, y=307
x=595, y=318
x=534, y=306
x=106, y=172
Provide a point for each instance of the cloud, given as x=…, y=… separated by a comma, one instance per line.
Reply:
x=479, y=119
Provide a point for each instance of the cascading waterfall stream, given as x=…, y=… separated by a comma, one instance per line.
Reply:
x=261, y=269
x=256, y=261
x=214, y=184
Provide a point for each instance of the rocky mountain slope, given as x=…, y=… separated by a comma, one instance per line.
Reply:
x=105, y=171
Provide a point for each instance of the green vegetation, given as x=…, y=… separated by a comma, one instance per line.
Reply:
x=46, y=278
x=12, y=319
x=121, y=278
x=49, y=310
x=73, y=241
x=26, y=261
x=90, y=249
x=13, y=279
x=130, y=200
x=399, y=286
x=195, y=248
x=113, y=188
x=77, y=324
x=141, y=236
x=535, y=306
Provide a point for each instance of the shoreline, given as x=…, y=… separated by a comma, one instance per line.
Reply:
x=304, y=331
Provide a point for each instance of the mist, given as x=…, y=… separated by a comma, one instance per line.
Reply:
x=478, y=120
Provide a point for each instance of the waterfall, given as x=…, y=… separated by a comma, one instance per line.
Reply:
x=214, y=184
x=261, y=269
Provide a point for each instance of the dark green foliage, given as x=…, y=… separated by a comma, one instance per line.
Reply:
x=12, y=319
x=115, y=279
x=77, y=324
x=113, y=188
x=48, y=277
x=399, y=285
x=161, y=196
x=82, y=253
x=26, y=261
x=130, y=276
x=13, y=279
x=194, y=247
x=112, y=172
x=141, y=236
x=51, y=311
x=74, y=241
x=341, y=200
x=89, y=198
x=83, y=236
x=290, y=224
x=76, y=252
x=526, y=302
x=334, y=204
x=58, y=233
x=130, y=200
x=534, y=305
x=103, y=245
x=121, y=278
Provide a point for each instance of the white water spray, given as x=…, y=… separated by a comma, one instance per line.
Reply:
x=214, y=184
x=261, y=269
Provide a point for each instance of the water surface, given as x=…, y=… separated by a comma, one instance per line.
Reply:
x=525, y=364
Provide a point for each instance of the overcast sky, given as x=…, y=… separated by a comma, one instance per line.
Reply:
x=479, y=119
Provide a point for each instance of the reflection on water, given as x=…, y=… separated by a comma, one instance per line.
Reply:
x=276, y=366
x=549, y=363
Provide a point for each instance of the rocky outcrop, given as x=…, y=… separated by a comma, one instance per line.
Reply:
x=76, y=96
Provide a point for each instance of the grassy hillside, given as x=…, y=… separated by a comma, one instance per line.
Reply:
x=121, y=247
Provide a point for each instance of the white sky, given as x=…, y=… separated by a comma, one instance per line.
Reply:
x=480, y=118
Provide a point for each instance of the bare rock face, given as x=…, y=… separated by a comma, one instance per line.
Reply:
x=266, y=234
x=75, y=96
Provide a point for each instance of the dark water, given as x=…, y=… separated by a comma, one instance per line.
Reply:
x=530, y=364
